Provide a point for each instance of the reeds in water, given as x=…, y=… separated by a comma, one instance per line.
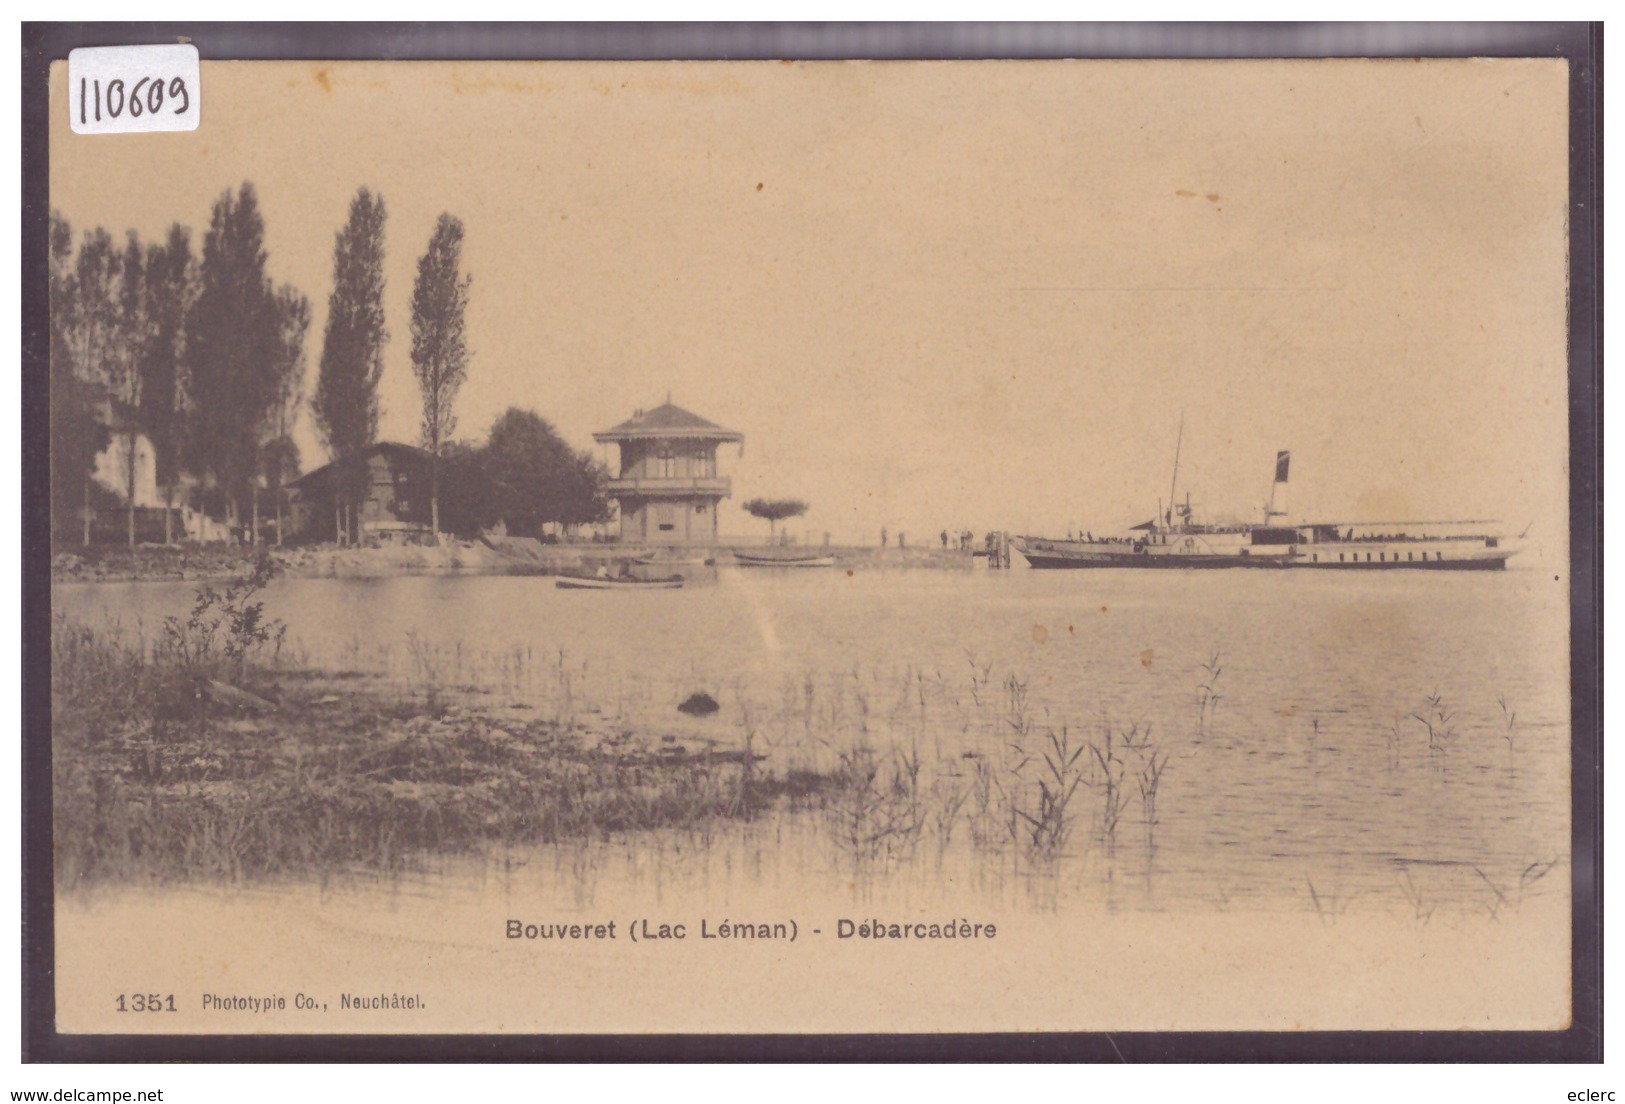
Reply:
x=447, y=749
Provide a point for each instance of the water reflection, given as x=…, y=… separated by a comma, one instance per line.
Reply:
x=1327, y=738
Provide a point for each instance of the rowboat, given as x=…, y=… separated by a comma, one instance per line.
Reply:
x=653, y=560
x=810, y=559
x=575, y=582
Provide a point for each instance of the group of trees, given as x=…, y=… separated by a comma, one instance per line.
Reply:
x=345, y=402
x=201, y=355
x=524, y=475
x=346, y=398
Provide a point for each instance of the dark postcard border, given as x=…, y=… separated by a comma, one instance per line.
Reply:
x=1580, y=43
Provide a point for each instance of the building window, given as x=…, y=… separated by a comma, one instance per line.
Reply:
x=699, y=507
x=1340, y=557
x=665, y=463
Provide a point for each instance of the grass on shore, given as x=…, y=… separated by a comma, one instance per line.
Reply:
x=207, y=753
x=153, y=783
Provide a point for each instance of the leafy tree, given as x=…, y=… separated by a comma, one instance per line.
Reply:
x=92, y=309
x=76, y=435
x=232, y=350
x=775, y=510
x=125, y=376
x=439, y=344
x=535, y=477
x=471, y=499
x=528, y=463
x=59, y=271
x=587, y=501
x=346, y=396
x=85, y=309
x=279, y=457
x=170, y=277
x=293, y=323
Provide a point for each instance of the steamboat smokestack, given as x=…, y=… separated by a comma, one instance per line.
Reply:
x=1277, y=506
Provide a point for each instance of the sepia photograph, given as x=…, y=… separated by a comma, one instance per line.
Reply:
x=758, y=547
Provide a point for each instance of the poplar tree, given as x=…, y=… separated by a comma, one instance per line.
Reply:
x=232, y=348
x=91, y=318
x=439, y=344
x=125, y=376
x=345, y=402
x=170, y=276
x=93, y=311
x=76, y=436
x=280, y=457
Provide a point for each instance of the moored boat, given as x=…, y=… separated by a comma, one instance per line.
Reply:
x=593, y=582
x=1174, y=540
x=1310, y=546
x=1190, y=551
x=809, y=559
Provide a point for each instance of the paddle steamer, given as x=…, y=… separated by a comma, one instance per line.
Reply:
x=1175, y=540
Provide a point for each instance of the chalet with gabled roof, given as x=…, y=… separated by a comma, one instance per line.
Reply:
x=379, y=494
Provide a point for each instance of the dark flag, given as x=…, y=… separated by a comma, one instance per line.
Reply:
x=1282, y=459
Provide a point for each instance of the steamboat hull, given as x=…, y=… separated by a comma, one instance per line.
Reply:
x=1070, y=561
x=1387, y=559
x=1488, y=563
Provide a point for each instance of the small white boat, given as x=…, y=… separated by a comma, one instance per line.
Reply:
x=653, y=560
x=808, y=559
x=582, y=582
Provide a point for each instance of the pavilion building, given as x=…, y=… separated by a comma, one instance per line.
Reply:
x=667, y=486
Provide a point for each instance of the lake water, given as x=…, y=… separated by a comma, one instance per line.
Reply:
x=1310, y=768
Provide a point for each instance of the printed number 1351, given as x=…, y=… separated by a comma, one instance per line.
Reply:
x=146, y=1002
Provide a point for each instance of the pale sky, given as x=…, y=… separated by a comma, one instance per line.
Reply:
x=947, y=294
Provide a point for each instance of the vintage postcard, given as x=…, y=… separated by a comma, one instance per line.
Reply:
x=819, y=547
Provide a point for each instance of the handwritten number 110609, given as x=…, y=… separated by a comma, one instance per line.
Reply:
x=147, y=95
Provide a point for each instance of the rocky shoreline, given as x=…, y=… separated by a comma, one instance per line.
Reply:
x=199, y=563
x=193, y=563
